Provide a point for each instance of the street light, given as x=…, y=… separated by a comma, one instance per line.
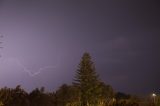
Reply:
x=154, y=97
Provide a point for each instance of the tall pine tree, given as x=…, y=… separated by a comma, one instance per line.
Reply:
x=87, y=81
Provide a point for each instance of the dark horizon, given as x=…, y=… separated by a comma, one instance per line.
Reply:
x=44, y=41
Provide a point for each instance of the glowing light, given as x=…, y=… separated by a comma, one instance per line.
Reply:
x=154, y=95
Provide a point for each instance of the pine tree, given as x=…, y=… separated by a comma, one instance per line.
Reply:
x=87, y=81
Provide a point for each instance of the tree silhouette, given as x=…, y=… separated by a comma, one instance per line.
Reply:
x=87, y=81
x=87, y=90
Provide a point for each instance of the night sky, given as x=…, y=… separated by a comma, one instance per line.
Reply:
x=44, y=41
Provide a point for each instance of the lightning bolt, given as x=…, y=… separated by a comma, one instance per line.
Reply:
x=1, y=47
x=25, y=69
x=1, y=36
